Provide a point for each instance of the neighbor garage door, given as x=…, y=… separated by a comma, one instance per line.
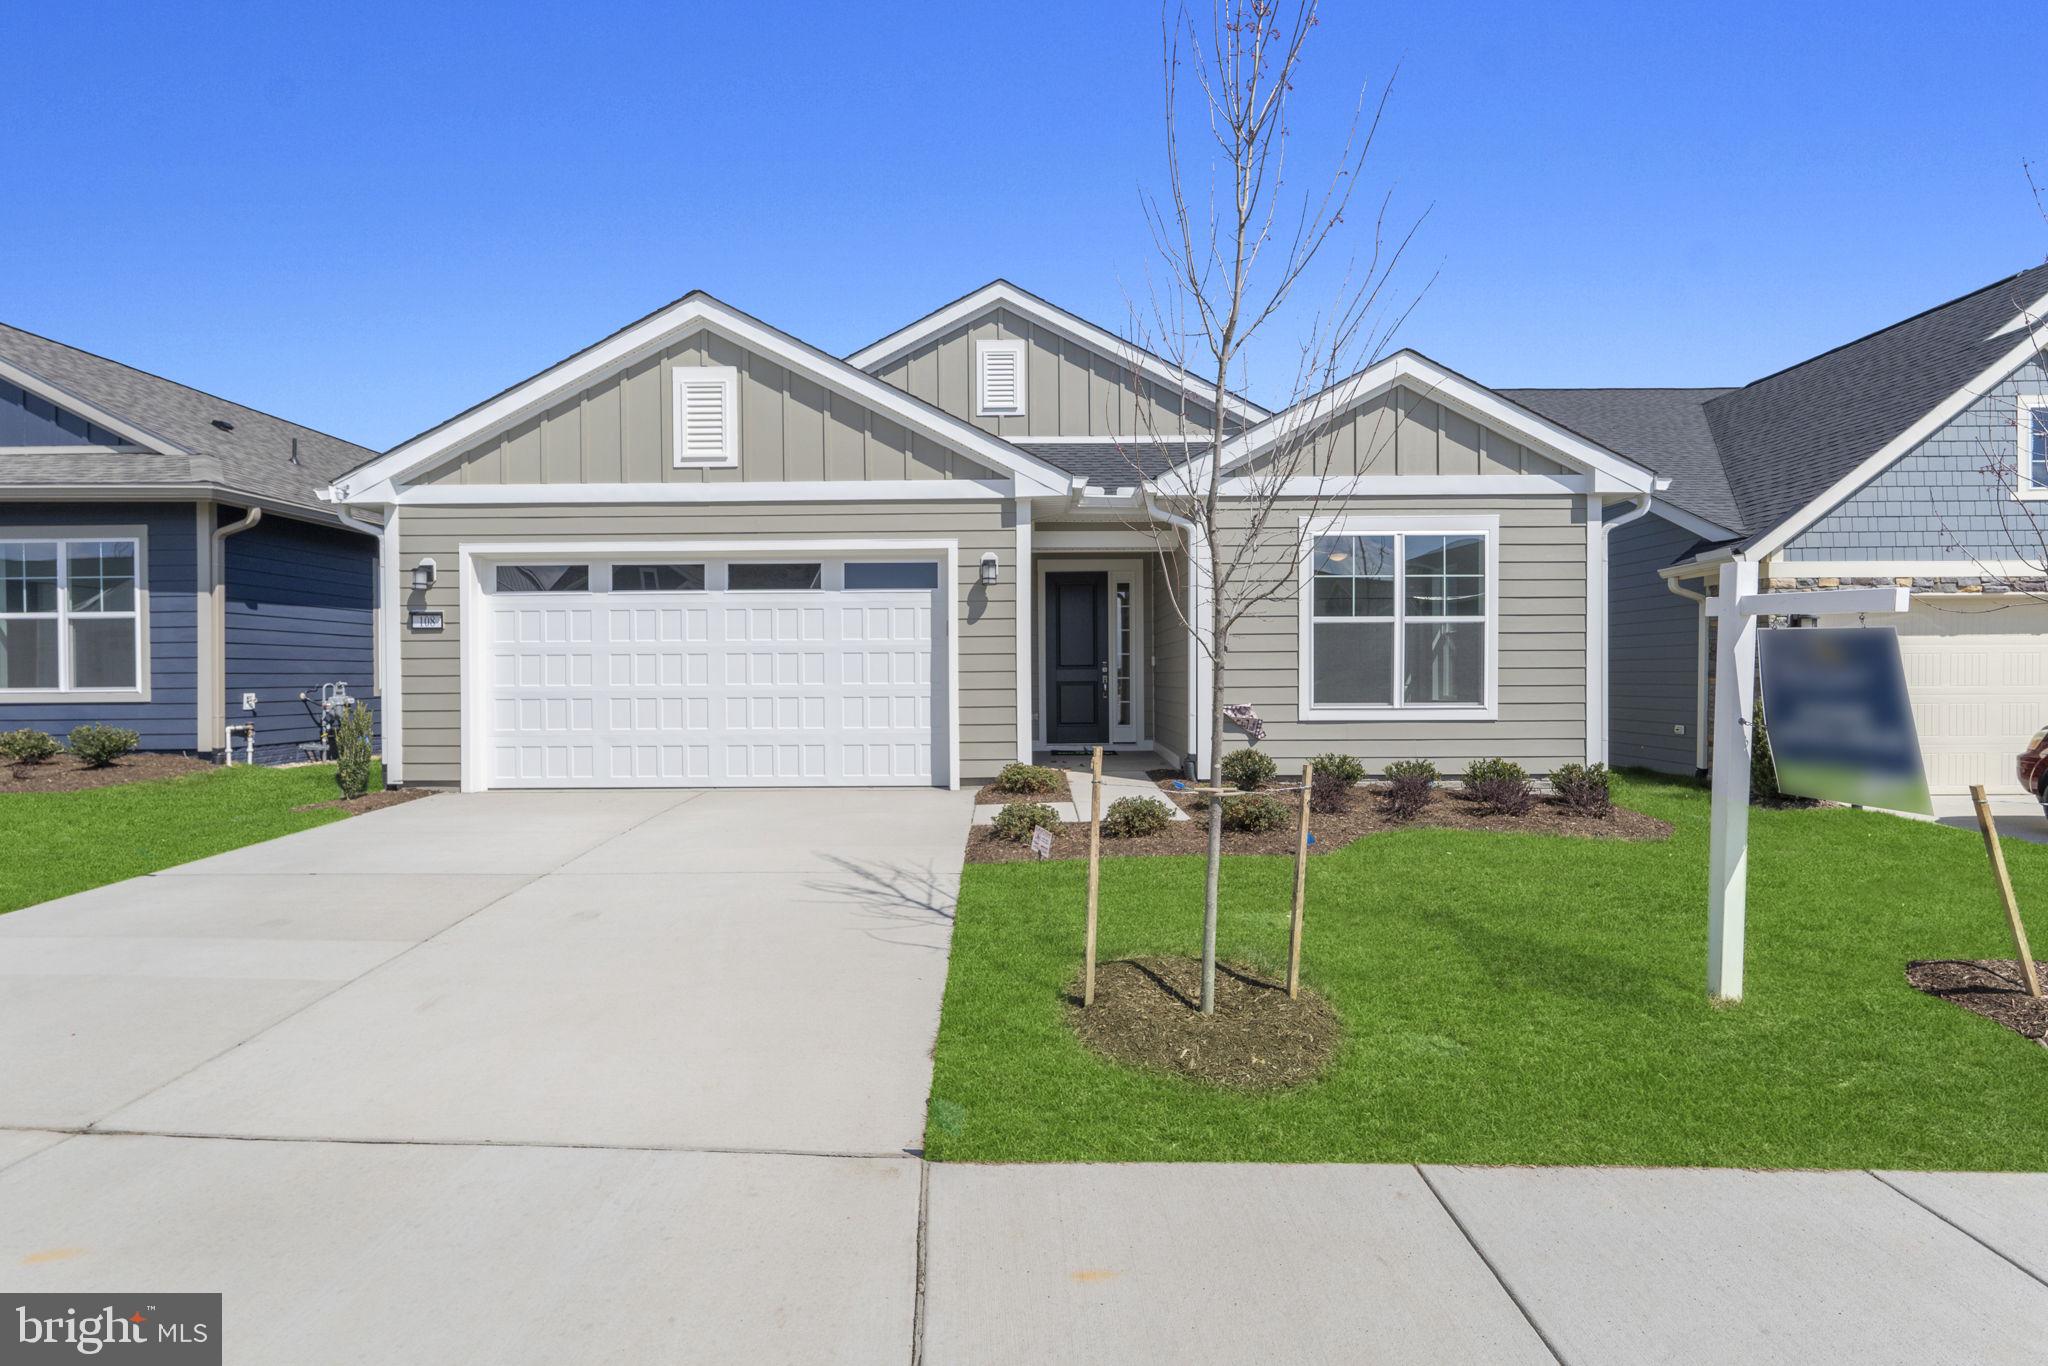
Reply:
x=709, y=674
x=1977, y=669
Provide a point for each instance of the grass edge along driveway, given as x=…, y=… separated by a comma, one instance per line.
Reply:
x=1527, y=999
x=58, y=843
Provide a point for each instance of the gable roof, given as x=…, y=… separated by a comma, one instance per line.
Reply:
x=173, y=425
x=1763, y=459
x=372, y=481
x=1000, y=293
x=1442, y=385
x=1664, y=429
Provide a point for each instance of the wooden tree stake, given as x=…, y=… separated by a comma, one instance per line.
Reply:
x=1094, y=877
x=1308, y=783
x=2012, y=907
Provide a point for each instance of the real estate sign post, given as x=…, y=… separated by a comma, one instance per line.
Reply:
x=1736, y=608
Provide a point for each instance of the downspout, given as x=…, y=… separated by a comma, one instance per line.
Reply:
x=383, y=635
x=218, y=713
x=1699, y=689
x=1597, y=719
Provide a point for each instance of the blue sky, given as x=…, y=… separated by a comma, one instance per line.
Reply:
x=367, y=218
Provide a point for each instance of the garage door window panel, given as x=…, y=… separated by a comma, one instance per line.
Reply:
x=543, y=578
x=746, y=576
x=658, y=578
x=880, y=576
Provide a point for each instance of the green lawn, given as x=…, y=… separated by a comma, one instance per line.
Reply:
x=1527, y=999
x=57, y=843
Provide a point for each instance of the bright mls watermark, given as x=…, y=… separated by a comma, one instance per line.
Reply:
x=170, y=1330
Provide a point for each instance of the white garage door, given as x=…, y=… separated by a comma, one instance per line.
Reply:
x=741, y=674
x=1978, y=673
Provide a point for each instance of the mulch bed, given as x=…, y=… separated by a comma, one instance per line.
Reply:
x=1991, y=987
x=1145, y=1015
x=64, y=773
x=989, y=796
x=1447, y=810
x=371, y=801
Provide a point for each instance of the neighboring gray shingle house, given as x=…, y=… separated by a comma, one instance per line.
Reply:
x=165, y=556
x=1912, y=455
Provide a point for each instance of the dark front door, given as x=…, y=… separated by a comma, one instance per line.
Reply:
x=1076, y=658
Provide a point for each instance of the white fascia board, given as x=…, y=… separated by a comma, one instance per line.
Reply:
x=1687, y=521
x=376, y=481
x=1943, y=413
x=789, y=491
x=1420, y=486
x=2029, y=319
x=1434, y=382
x=87, y=409
x=1003, y=294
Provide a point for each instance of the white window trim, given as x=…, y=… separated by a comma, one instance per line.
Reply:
x=2023, y=483
x=1308, y=708
x=982, y=351
x=727, y=377
x=64, y=536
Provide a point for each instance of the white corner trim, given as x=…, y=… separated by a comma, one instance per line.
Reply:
x=1596, y=631
x=1486, y=524
x=391, y=629
x=1025, y=587
x=743, y=491
x=1440, y=385
x=1003, y=294
x=724, y=383
x=474, y=680
x=987, y=402
x=1931, y=422
x=373, y=482
x=87, y=409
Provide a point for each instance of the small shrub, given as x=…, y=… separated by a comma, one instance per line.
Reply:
x=1030, y=779
x=1331, y=794
x=1420, y=770
x=1016, y=821
x=97, y=746
x=27, y=746
x=1339, y=766
x=1500, y=786
x=1131, y=817
x=1255, y=814
x=1585, y=788
x=353, y=750
x=1247, y=768
x=1763, y=771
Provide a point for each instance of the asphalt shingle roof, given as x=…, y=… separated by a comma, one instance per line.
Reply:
x=1108, y=464
x=252, y=458
x=1663, y=429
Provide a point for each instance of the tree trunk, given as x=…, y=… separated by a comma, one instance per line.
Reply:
x=1209, y=890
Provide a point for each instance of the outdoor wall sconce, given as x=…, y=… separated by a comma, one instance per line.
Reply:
x=988, y=567
x=423, y=575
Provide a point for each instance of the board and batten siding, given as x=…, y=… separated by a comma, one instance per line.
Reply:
x=620, y=429
x=1652, y=650
x=1542, y=666
x=1403, y=432
x=168, y=721
x=1166, y=593
x=1069, y=389
x=300, y=611
x=431, y=661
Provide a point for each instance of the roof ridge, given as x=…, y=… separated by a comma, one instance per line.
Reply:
x=189, y=388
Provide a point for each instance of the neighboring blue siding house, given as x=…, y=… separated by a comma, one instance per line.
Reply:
x=165, y=558
x=1916, y=456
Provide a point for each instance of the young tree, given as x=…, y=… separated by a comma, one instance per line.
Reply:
x=1238, y=244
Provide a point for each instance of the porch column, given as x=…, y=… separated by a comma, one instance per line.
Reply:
x=1728, y=863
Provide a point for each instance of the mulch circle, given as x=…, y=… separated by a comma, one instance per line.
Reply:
x=1991, y=987
x=370, y=801
x=1448, y=809
x=1145, y=1015
x=64, y=773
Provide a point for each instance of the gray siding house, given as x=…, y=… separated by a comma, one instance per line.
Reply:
x=702, y=552
x=1915, y=456
x=167, y=563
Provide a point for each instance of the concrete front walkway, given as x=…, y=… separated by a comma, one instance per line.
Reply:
x=636, y=1077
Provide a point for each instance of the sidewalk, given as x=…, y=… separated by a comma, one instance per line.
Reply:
x=1585, y=1266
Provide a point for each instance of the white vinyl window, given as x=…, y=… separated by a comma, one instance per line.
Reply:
x=2033, y=452
x=999, y=379
x=706, y=416
x=70, y=615
x=1397, y=620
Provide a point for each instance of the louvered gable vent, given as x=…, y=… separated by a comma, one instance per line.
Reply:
x=999, y=367
x=707, y=415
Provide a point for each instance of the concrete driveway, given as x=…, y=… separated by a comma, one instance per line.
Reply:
x=495, y=1074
